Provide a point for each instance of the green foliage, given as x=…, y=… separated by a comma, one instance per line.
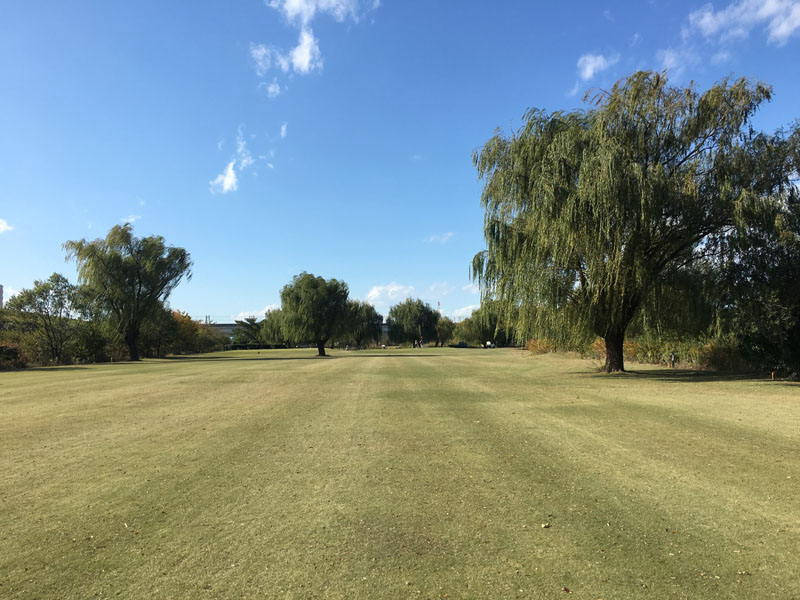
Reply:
x=129, y=277
x=588, y=213
x=314, y=309
x=248, y=331
x=46, y=323
x=411, y=320
x=159, y=332
x=757, y=298
x=272, y=329
x=486, y=324
x=363, y=323
x=445, y=328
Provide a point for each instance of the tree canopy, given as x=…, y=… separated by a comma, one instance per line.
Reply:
x=314, y=309
x=589, y=213
x=411, y=320
x=363, y=322
x=129, y=277
x=51, y=307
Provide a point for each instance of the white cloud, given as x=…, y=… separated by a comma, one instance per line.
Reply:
x=226, y=181
x=464, y=312
x=780, y=18
x=721, y=57
x=306, y=56
x=243, y=157
x=245, y=314
x=591, y=64
x=439, y=289
x=130, y=219
x=574, y=89
x=440, y=238
x=472, y=288
x=304, y=11
x=4, y=226
x=9, y=293
x=265, y=57
x=283, y=130
x=383, y=296
x=677, y=60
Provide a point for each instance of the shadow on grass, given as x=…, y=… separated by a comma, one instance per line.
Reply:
x=678, y=375
x=314, y=357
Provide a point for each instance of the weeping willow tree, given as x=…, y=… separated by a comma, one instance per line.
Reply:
x=589, y=213
x=129, y=278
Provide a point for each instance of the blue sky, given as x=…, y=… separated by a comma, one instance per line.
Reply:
x=331, y=136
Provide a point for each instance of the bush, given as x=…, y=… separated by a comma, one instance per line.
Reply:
x=10, y=358
x=541, y=346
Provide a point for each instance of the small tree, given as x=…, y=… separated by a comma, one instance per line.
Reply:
x=130, y=277
x=445, y=328
x=363, y=322
x=411, y=320
x=272, y=330
x=247, y=331
x=314, y=309
x=49, y=315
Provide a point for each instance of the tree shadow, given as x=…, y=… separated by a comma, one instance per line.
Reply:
x=677, y=375
x=354, y=354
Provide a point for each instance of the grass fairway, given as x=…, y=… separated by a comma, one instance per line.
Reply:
x=396, y=474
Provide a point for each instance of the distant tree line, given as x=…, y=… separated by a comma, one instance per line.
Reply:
x=319, y=312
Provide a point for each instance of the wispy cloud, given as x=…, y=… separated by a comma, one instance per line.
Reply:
x=779, y=18
x=677, y=60
x=228, y=181
x=130, y=219
x=712, y=35
x=4, y=226
x=472, y=288
x=284, y=130
x=591, y=64
x=439, y=290
x=575, y=88
x=273, y=88
x=306, y=56
x=440, y=238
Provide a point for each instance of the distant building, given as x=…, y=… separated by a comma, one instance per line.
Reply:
x=226, y=328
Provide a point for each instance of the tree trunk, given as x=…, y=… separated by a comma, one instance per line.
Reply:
x=321, y=348
x=132, y=339
x=614, y=358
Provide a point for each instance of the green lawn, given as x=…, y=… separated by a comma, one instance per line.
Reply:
x=396, y=474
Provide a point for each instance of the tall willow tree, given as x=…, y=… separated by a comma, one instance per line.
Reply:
x=129, y=277
x=586, y=213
